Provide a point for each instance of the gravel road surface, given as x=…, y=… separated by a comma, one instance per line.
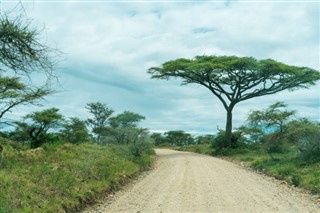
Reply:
x=189, y=182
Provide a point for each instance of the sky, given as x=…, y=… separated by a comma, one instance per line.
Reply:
x=108, y=47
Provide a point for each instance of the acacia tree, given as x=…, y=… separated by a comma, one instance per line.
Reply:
x=274, y=119
x=75, y=131
x=179, y=138
x=21, y=49
x=21, y=54
x=124, y=127
x=126, y=119
x=275, y=116
x=158, y=138
x=14, y=93
x=36, y=126
x=101, y=114
x=235, y=79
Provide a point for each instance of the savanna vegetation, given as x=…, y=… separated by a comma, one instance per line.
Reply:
x=50, y=163
x=63, y=177
x=273, y=141
x=235, y=79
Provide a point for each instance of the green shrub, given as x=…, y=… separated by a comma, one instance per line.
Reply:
x=220, y=146
x=295, y=180
x=274, y=143
x=139, y=148
x=197, y=149
x=219, y=143
x=309, y=146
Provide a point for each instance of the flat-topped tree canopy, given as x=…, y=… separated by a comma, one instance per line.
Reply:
x=234, y=79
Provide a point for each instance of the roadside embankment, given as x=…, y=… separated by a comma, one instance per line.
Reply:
x=63, y=177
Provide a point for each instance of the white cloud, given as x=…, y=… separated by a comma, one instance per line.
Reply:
x=109, y=47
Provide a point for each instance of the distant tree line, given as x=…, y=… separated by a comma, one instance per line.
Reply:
x=180, y=138
x=49, y=125
x=23, y=56
x=275, y=130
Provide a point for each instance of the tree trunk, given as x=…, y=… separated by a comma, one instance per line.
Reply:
x=98, y=138
x=228, y=133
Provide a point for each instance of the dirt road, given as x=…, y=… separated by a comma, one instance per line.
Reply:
x=187, y=182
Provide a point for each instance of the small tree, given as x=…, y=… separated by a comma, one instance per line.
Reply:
x=274, y=121
x=276, y=117
x=14, y=93
x=253, y=133
x=305, y=134
x=41, y=123
x=124, y=127
x=235, y=79
x=126, y=119
x=75, y=130
x=101, y=114
x=205, y=139
x=179, y=138
x=158, y=138
x=301, y=128
x=143, y=145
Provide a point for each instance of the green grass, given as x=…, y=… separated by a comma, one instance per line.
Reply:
x=289, y=166
x=57, y=178
x=292, y=168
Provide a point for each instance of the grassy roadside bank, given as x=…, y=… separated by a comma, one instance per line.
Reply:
x=287, y=166
x=60, y=178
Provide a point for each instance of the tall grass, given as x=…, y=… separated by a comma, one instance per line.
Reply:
x=60, y=178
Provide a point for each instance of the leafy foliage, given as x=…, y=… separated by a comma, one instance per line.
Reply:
x=159, y=139
x=219, y=142
x=276, y=117
x=14, y=93
x=274, y=143
x=306, y=135
x=252, y=133
x=179, y=138
x=126, y=119
x=124, y=128
x=20, y=48
x=205, y=139
x=310, y=147
x=234, y=79
x=142, y=146
x=269, y=127
x=21, y=54
x=101, y=114
x=37, y=131
x=300, y=128
x=75, y=131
